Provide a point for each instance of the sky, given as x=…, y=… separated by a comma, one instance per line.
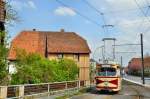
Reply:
x=128, y=17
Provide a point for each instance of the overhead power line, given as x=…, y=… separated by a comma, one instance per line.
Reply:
x=142, y=21
x=105, y=25
x=123, y=10
x=109, y=12
x=80, y=14
x=143, y=14
x=102, y=14
x=147, y=2
x=99, y=12
x=126, y=44
x=91, y=6
x=125, y=52
x=141, y=10
x=101, y=47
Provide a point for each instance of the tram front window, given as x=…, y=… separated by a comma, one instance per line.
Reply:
x=107, y=71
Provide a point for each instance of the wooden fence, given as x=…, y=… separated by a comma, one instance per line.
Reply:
x=20, y=91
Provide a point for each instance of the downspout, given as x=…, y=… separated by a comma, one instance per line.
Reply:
x=46, y=46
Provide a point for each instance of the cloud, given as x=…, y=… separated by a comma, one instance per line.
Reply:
x=128, y=21
x=125, y=4
x=16, y=4
x=32, y=4
x=64, y=11
x=20, y=5
x=130, y=33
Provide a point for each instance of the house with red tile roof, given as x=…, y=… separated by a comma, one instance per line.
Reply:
x=135, y=65
x=54, y=45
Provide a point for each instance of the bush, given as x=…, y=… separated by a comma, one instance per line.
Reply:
x=138, y=73
x=65, y=70
x=32, y=68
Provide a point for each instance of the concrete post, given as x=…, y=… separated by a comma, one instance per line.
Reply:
x=79, y=84
x=48, y=88
x=3, y=92
x=20, y=91
x=66, y=86
x=87, y=83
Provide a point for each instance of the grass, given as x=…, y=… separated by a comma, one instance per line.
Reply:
x=67, y=96
x=124, y=82
x=63, y=97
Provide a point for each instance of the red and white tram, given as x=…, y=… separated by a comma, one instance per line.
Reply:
x=108, y=77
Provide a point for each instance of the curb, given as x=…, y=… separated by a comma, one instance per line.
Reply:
x=145, y=85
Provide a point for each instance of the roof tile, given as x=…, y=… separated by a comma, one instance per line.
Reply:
x=58, y=42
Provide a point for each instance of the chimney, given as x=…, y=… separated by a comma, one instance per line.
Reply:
x=34, y=29
x=62, y=30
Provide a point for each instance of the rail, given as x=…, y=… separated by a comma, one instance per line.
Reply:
x=20, y=91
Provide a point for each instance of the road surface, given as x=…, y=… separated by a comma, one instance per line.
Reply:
x=129, y=91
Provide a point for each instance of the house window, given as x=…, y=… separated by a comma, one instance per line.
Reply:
x=77, y=57
x=60, y=56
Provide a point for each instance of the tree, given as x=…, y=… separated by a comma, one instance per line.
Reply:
x=11, y=14
x=3, y=64
x=9, y=17
x=31, y=68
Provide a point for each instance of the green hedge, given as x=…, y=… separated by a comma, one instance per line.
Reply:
x=32, y=68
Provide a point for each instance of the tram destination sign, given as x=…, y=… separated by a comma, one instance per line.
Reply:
x=2, y=11
x=106, y=65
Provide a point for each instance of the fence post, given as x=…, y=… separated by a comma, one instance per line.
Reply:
x=87, y=83
x=79, y=84
x=48, y=88
x=66, y=87
x=3, y=92
x=20, y=91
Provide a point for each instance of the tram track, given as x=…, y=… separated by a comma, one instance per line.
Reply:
x=135, y=94
x=129, y=91
x=140, y=91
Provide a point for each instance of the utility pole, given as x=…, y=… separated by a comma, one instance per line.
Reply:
x=121, y=66
x=142, y=59
x=2, y=21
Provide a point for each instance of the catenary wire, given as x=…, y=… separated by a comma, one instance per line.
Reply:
x=98, y=11
x=144, y=15
x=80, y=14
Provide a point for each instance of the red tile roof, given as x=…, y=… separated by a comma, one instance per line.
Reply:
x=57, y=42
x=135, y=63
